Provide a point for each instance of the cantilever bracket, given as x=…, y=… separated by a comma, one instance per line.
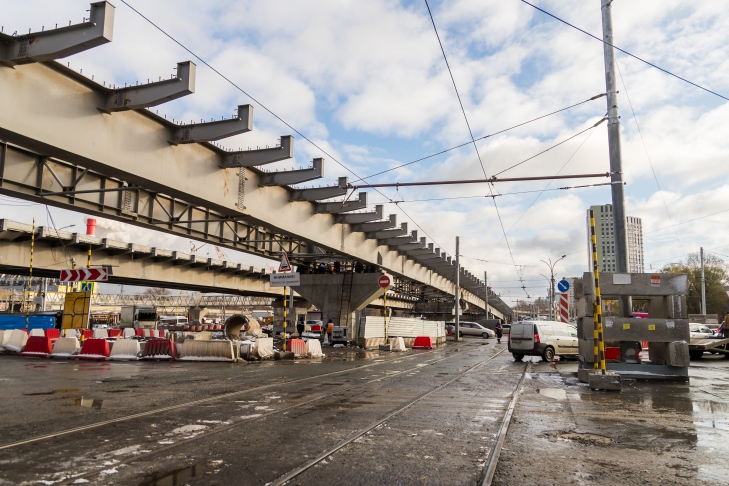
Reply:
x=377, y=225
x=289, y=177
x=152, y=94
x=402, y=240
x=60, y=42
x=413, y=246
x=215, y=130
x=388, y=233
x=342, y=206
x=252, y=158
x=318, y=193
x=357, y=218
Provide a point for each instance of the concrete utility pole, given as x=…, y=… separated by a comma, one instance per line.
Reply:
x=458, y=294
x=616, y=162
x=486, y=282
x=703, y=283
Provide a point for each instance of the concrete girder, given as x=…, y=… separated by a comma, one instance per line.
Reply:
x=195, y=263
x=152, y=94
x=342, y=206
x=116, y=247
x=179, y=258
x=356, y=218
x=289, y=177
x=389, y=233
x=253, y=158
x=60, y=42
x=402, y=240
x=424, y=251
x=317, y=193
x=428, y=259
x=377, y=225
x=413, y=246
x=161, y=255
x=215, y=130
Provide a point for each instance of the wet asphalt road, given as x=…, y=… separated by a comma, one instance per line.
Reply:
x=253, y=423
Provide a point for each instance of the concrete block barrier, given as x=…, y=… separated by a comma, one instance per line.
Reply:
x=159, y=350
x=127, y=349
x=38, y=346
x=195, y=350
x=298, y=347
x=17, y=341
x=313, y=349
x=398, y=344
x=97, y=349
x=422, y=342
x=264, y=348
x=65, y=347
x=37, y=332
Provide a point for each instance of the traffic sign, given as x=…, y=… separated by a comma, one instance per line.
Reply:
x=85, y=274
x=285, y=266
x=285, y=279
x=563, y=286
x=384, y=281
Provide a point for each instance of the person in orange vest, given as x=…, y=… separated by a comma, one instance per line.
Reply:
x=330, y=325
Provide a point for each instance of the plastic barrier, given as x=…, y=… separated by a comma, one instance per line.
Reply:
x=125, y=349
x=264, y=347
x=128, y=332
x=39, y=346
x=159, y=350
x=2, y=339
x=72, y=333
x=37, y=332
x=313, y=349
x=65, y=347
x=87, y=334
x=17, y=340
x=100, y=334
x=398, y=344
x=298, y=347
x=316, y=328
x=94, y=349
x=194, y=350
x=612, y=354
x=53, y=334
x=204, y=336
x=422, y=342
x=139, y=332
x=114, y=333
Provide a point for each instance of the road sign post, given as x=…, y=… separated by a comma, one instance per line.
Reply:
x=285, y=266
x=384, y=282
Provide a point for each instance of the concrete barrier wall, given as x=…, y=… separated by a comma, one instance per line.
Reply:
x=125, y=349
x=194, y=350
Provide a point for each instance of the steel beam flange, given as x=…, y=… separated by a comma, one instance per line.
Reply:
x=152, y=94
x=318, y=193
x=413, y=246
x=389, y=233
x=287, y=178
x=403, y=240
x=215, y=130
x=377, y=225
x=62, y=41
x=342, y=206
x=252, y=158
x=356, y=218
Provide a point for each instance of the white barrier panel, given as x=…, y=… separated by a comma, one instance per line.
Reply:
x=264, y=347
x=313, y=349
x=3, y=336
x=69, y=333
x=194, y=350
x=298, y=347
x=407, y=327
x=203, y=336
x=65, y=347
x=101, y=334
x=398, y=344
x=37, y=332
x=17, y=341
x=128, y=332
x=125, y=349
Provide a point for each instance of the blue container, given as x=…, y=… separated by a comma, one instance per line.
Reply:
x=17, y=321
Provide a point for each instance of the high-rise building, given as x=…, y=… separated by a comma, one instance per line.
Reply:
x=605, y=236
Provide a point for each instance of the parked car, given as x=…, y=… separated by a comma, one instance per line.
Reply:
x=470, y=329
x=542, y=338
x=699, y=330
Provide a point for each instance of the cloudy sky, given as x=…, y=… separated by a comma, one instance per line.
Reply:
x=368, y=84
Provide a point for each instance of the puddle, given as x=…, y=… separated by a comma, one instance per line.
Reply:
x=712, y=414
x=556, y=393
x=173, y=478
x=592, y=439
x=53, y=392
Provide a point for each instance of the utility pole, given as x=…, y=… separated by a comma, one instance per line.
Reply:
x=486, y=282
x=616, y=162
x=703, y=283
x=458, y=294
x=551, y=292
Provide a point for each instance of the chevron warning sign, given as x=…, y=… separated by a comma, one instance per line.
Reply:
x=85, y=274
x=564, y=312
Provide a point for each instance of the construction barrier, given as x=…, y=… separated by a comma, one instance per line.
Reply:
x=3, y=336
x=298, y=347
x=398, y=344
x=100, y=334
x=313, y=349
x=37, y=332
x=114, y=333
x=139, y=332
x=72, y=333
x=264, y=348
x=128, y=332
x=203, y=336
x=39, y=346
x=194, y=350
x=422, y=342
x=53, y=334
x=159, y=350
x=125, y=349
x=65, y=347
x=87, y=334
x=17, y=340
x=94, y=349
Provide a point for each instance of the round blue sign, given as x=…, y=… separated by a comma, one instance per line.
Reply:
x=563, y=286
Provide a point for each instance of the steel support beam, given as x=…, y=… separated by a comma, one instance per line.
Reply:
x=317, y=193
x=389, y=233
x=252, y=158
x=414, y=246
x=377, y=225
x=356, y=218
x=215, y=130
x=401, y=240
x=289, y=177
x=336, y=207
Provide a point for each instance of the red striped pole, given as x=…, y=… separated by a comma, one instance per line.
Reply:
x=564, y=308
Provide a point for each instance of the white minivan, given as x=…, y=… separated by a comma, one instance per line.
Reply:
x=542, y=338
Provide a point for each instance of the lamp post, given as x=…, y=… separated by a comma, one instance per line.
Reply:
x=551, y=284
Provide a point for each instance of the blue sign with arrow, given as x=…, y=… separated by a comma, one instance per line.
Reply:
x=563, y=286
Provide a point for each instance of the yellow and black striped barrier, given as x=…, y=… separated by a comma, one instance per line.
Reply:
x=599, y=347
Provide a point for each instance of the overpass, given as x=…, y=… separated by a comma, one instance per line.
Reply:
x=71, y=142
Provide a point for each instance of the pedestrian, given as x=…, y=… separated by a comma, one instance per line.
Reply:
x=499, y=330
x=300, y=326
x=330, y=325
x=337, y=267
x=358, y=267
x=59, y=320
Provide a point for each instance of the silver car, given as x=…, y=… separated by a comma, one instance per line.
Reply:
x=466, y=328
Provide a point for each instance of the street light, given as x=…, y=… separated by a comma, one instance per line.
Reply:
x=551, y=287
